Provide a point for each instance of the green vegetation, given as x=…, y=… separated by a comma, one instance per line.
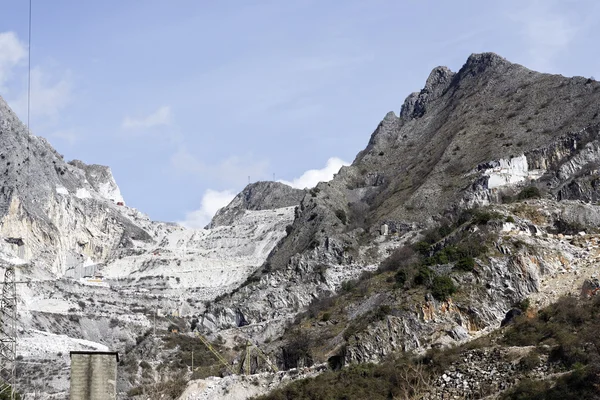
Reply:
x=401, y=277
x=442, y=288
x=570, y=227
x=297, y=352
x=466, y=264
x=568, y=331
x=6, y=393
x=523, y=305
x=582, y=383
x=399, y=378
x=410, y=272
x=530, y=192
x=569, y=327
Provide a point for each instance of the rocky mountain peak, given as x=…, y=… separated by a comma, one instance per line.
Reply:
x=441, y=78
x=101, y=179
x=480, y=62
x=416, y=103
x=263, y=195
x=438, y=80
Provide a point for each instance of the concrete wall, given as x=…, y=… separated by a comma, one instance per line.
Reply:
x=93, y=376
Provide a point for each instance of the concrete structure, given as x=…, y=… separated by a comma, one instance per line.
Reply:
x=384, y=229
x=94, y=375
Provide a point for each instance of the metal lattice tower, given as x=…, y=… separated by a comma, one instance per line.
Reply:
x=8, y=332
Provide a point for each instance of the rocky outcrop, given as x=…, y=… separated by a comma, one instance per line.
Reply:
x=65, y=214
x=487, y=371
x=466, y=139
x=257, y=196
x=490, y=113
x=101, y=179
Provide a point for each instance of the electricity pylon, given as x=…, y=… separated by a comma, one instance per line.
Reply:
x=8, y=332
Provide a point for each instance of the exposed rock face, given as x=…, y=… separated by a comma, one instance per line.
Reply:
x=63, y=213
x=467, y=139
x=99, y=269
x=101, y=179
x=258, y=196
x=439, y=156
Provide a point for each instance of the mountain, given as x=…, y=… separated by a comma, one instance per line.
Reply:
x=477, y=198
x=257, y=196
x=486, y=171
x=64, y=223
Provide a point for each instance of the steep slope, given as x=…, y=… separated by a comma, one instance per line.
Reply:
x=56, y=214
x=490, y=137
x=98, y=271
x=416, y=166
x=468, y=139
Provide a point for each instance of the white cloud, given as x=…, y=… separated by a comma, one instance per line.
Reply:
x=212, y=201
x=162, y=116
x=311, y=177
x=12, y=52
x=233, y=171
x=547, y=32
x=49, y=96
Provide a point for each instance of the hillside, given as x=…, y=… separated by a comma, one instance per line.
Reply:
x=478, y=199
x=517, y=148
x=97, y=270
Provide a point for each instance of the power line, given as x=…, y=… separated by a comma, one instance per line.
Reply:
x=29, y=75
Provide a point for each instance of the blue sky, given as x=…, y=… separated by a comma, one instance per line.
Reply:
x=186, y=99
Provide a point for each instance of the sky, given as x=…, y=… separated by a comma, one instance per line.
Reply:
x=189, y=100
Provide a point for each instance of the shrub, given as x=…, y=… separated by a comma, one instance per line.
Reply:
x=570, y=326
x=424, y=276
x=527, y=389
x=442, y=288
x=530, y=192
x=136, y=391
x=145, y=365
x=510, y=219
x=341, y=214
x=482, y=217
x=400, y=257
x=445, y=230
x=347, y=286
x=320, y=304
x=466, y=264
x=382, y=312
x=569, y=227
x=523, y=305
x=530, y=361
x=506, y=198
x=401, y=277
x=297, y=351
x=423, y=248
x=432, y=236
